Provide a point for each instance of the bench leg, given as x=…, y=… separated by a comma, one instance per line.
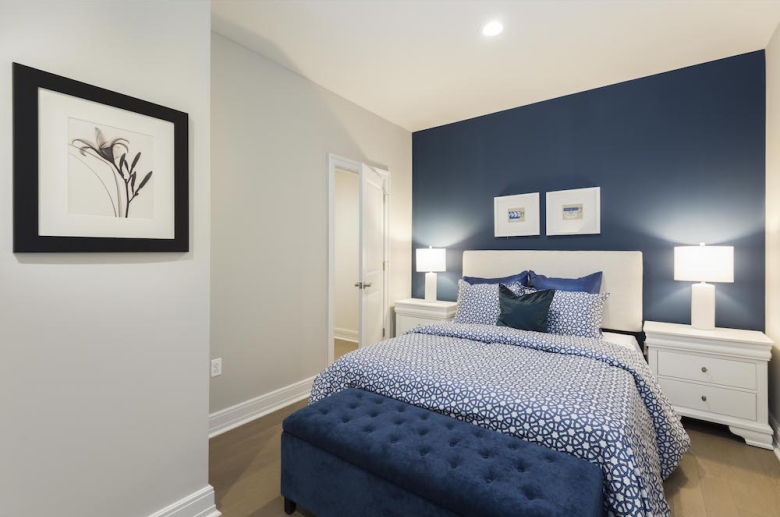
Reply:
x=289, y=506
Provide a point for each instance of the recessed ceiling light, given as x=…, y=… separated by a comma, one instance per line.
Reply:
x=492, y=28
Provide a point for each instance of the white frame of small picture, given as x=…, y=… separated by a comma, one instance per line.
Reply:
x=516, y=216
x=574, y=212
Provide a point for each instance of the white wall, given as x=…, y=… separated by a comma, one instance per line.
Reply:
x=773, y=216
x=347, y=241
x=271, y=133
x=104, y=401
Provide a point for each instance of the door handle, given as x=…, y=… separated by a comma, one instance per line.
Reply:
x=361, y=285
x=366, y=286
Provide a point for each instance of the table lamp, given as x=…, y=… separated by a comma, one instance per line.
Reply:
x=703, y=264
x=429, y=261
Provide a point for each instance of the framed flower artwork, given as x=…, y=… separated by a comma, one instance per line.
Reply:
x=96, y=170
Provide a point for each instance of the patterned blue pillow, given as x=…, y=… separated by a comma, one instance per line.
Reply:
x=575, y=313
x=478, y=303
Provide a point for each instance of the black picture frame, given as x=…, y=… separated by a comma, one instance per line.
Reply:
x=26, y=84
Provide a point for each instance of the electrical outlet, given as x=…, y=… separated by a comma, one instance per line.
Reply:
x=216, y=367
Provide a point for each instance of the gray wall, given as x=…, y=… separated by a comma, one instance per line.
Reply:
x=773, y=218
x=105, y=402
x=272, y=131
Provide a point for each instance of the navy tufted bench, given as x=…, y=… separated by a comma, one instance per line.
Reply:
x=359, y=454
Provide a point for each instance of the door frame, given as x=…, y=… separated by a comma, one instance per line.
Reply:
x=345, y=164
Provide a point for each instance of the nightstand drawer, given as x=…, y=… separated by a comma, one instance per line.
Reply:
x=712, y=399
x=413, y=312
x=726, y=372
x=406, y=323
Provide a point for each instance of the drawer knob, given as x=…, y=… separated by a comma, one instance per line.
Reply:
x=704, y=369
x=704, y=398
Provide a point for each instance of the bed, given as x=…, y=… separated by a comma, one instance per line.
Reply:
x=593, y=398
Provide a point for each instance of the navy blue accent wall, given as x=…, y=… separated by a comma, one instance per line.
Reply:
x=679, y=158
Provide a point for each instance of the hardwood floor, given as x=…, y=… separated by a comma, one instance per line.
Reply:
x=244, y=467
x=720, y=477
x=342, y=346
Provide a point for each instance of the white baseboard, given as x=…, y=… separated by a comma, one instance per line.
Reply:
x=240, y=414
x=198, y=504
x=775, y=425
x=346, y=335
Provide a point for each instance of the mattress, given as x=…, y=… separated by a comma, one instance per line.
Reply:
x=624, y=340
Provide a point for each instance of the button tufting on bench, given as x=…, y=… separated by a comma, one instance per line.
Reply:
x=486, y=453
x=501, y=475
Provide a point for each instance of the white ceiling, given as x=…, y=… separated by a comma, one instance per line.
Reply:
x=421, y=64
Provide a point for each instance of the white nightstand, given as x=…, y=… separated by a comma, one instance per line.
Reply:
x=413, y=311
x=716, y=375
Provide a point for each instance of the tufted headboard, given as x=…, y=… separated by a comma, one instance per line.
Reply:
x=622, y=276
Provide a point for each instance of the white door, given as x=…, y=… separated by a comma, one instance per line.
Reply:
x=372, y=256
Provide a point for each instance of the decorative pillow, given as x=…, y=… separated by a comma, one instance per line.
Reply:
x=588, y=284
x=524, y=311
x=576, y=314
x=520, y=277
x=479, y=303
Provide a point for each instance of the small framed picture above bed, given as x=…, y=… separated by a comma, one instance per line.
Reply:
x=574, y=212
x=516, y=216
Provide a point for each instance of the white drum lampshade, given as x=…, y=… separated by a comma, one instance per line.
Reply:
x=703, y=264
x=430, y=261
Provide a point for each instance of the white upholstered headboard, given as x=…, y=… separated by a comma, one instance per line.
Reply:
x=622, y=276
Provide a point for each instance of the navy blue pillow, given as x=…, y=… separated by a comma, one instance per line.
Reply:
x=524, y=311
x=587, y=284
x=520, y=277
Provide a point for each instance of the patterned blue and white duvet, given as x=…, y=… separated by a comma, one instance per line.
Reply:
x=584, y=396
